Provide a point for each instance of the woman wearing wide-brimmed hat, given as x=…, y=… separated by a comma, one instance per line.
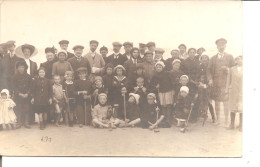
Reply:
x=26, y=52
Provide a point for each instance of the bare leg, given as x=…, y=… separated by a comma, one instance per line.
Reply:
x=134, y=122
x=226, y=111
x=58, y=112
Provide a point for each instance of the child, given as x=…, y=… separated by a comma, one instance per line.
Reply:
x=41, y=96
x=22, y=89
x=139, y=72
x=58, y=98
x=236, y=93
x=70, y=96
x=98, y=88
x=108, y=80
x=140, y=90
x=162, y=83
x=101, y=114
x=7, y=116
x=132, y=111
x=119, y=84
x=61, y=66
x=83, y=98
x=151, y=115
x=183, y=107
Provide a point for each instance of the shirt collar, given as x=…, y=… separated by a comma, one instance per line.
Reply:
x=69, y=82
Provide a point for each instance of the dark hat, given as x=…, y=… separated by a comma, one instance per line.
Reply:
x=78, y=46
x=142, y=45
x=182, y=45
x=109, y=65
x=116, y=44
x=139, y=66
x=82, y=69
x=150, y=44
x=10, y=43
x=21, y=63
x=64, y=42
x=148, y=52
x=3, y=45
x=28, y=46
x=221, y=40
x=93, y=41
x=42, y=68
x=49, y=49
x=128, y=43
x=103, y=48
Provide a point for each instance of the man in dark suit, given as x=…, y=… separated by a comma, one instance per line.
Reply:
x=78, y=61
x=218, y=74
x=50, y=55
x=128, y=46
x=64, y=46
x=116, y=58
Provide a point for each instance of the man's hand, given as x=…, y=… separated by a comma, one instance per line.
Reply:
x=32, y=101
x=50, y=101
x=144, y=89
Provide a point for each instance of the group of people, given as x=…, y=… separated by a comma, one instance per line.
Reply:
x=136, y=89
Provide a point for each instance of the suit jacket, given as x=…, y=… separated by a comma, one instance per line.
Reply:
x=119, y=61
x=130, y=67
x=48, y=68
x=69, y=55
x=97, y=61
x=75, y=64
x=33, y=69
x=9, y=65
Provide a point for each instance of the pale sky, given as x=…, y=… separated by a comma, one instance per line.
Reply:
x=44, y=23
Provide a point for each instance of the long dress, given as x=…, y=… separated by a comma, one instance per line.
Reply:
x=7, y=116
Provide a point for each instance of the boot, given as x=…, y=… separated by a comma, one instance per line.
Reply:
x=41, y=126
x=232, y=124
x=240, y=122
x=58, y=119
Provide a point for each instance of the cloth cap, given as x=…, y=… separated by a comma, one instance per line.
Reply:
x=185, y=89
x=102, y=94
x=160, y=63
x=64, y=42
x=148, y=52
x=128, y=43
x=150, y=44
x=98, y=78
x=93, y=41
x=142, y=45
x=221, y=40
x=119, y=66
x=116, y=44
x=62, y=51
x=176, y=61
x=184, y=76
x=9, y=43
x=78, y=46
x=49, y=49
x=152, y=95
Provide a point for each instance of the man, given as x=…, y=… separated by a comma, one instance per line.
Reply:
x=159, y=55
x=128, y=46
x=183, y=53
x=168, y=63
x=50, y=55
x=218, y=74
x=96, y=61
x=9, y=61
x=151, y=47
x=64, y=46
x=199, y=53
x=104, y=51
x=142, y=49
x=116, y=58
x=130, y=65
x=78, y=61
x=148, y=65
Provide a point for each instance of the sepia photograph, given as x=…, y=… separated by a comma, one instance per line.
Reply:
x=121, y=78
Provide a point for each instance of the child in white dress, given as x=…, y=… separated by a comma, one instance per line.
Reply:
x=7, y=115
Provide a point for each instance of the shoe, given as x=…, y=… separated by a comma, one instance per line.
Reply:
x=80, y=125
x=182, y=130
x=18, y=126
x=41, y=126
x=27, y=126
x=231, y=127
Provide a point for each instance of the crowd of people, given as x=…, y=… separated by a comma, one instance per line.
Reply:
x=136, y=89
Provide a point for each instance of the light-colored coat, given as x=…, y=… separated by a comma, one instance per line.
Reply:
x=97, y=62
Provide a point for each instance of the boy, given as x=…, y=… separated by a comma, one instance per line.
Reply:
x=22, y=83
x=83, y=98
x=104, y=51
x=140, y=90
x=98, y=88
x=64, y=46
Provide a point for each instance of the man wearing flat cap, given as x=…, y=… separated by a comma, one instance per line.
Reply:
x=64, y=46
x=104, y=51
x=142, y=49
x=159, y=55
x=148, y=65
x=96, y=61
x=183, y=51
x=116, y=58
x=128, y=46
x=78, y=61
x=50, y=56
x=218, y=74
x=9, y=61
x=151, y=47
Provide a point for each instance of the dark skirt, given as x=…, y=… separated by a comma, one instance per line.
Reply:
x=41, y=108
x=218, y=94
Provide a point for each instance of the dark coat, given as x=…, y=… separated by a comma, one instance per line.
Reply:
x=33, y=69
x=183, y=107
x=132, y=111
x=82, y=85
x=176, y=78
x=191, y=68
x=130, y=67
x=117, y=85
x=121, y=60
x=48, y=68
x=69, y=55
x=149, y=114
x=164, y=81
x=41, y=91
x=75, y=64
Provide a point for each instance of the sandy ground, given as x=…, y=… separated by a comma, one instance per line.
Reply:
x=208, y=141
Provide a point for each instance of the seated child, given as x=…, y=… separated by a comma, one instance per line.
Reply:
x=83, y=98
x=70, y=95
x=151, y=115
x=98, y=87
x=132, y=111
x=101, y=114
x=7, y=115
x=58, y=98
x=183, y=107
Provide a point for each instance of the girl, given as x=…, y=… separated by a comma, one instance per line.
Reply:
x=151, y=115
x=41, y=96
x=83, y=98
x=7, y=115
x=100, y=113
x=119, y=84
x=108, y=80
x=236, y=93
x=162, y=83
x=132, y=111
